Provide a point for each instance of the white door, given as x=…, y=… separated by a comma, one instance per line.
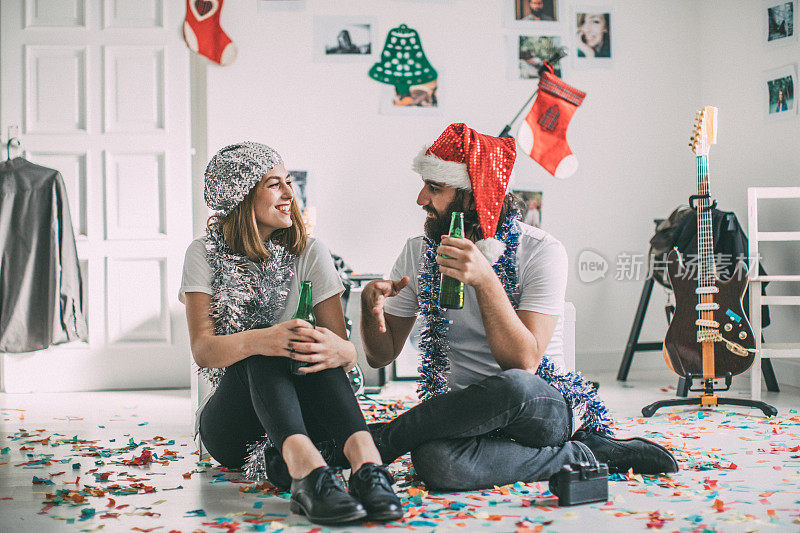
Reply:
x=100, y=91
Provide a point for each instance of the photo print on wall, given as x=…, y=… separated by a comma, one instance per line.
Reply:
x=532, y=15
x=300, y=187
x=529, y=52
x=344, y=38
x=532, y=206
x=592, y=36
x=780, y=17
x=265, y=6
x=780, y=99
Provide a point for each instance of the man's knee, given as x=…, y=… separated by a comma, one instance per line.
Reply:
x=518, y=383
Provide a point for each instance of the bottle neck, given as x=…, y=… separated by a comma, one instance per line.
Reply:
x=457, y=225
x=304, y=306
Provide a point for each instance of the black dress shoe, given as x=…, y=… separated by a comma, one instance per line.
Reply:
x=322, y=498
x=642, y=455
x=372, y=486
x=277, y=471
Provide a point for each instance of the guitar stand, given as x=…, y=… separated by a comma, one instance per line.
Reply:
x=709, y=398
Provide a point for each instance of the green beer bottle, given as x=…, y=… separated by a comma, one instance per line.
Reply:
x=451, y=291
x=305, y=311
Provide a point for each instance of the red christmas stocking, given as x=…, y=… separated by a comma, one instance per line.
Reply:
x=203, y=34
x=543, y=134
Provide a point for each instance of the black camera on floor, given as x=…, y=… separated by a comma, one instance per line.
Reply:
x=580, y=483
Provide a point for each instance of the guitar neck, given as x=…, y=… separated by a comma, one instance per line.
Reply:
x=705, y=240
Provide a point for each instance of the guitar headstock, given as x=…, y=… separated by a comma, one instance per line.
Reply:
x=704, y=133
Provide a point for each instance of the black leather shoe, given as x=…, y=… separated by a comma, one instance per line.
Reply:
x=372, y=486
x=277, y=472
x=322, y=498
x=642, y=455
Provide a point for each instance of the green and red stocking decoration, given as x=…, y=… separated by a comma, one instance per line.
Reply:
x=402, y=62
x=203, y=34
x=543, y=133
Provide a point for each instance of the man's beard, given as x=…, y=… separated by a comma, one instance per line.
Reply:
x=439, y=224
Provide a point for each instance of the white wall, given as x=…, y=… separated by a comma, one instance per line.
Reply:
x=750, y=151
x=630, y=134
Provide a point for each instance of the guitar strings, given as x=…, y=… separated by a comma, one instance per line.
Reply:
x=707, y=268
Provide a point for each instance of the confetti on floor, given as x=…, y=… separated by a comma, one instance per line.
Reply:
x=738, y=472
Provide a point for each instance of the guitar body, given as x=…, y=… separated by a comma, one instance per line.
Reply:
x=682, y=351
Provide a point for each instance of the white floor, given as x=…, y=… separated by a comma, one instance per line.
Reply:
x=110, y=419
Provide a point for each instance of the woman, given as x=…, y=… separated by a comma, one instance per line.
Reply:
x=593, y=35
x=241, y=287
x=781, y=104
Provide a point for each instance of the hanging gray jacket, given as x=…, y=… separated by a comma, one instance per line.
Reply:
x=40, y=282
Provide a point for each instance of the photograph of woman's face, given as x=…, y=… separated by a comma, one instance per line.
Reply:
x=593, y=29
x=593, y=35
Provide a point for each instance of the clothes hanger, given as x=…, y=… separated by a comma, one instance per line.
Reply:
x=13, y=141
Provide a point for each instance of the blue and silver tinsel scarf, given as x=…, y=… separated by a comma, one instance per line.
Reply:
x=435, y=367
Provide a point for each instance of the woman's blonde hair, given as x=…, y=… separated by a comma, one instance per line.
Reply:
x=240, y=230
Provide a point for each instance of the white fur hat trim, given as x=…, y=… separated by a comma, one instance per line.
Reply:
x=491, y=248
x=436, y=169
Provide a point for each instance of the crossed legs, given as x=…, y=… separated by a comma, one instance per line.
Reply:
x=510, y=427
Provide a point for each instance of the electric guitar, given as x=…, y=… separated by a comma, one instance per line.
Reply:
x=709, y=335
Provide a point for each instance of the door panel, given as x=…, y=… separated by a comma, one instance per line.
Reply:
x=99, y=90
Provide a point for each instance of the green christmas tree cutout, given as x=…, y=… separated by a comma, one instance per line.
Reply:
x=403, y=62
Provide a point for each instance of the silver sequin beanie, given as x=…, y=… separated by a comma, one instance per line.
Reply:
x=234, y=171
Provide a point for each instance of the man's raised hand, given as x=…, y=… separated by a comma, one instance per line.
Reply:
x=375, y=293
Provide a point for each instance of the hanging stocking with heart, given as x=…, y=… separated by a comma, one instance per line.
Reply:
x=203, y=34
x=543, y=133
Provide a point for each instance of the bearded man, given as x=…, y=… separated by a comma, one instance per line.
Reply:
x=498, y=404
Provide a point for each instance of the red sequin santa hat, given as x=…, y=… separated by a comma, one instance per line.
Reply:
x=465, y=159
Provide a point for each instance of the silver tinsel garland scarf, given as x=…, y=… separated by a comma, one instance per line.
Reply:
x=435, y=367
x=247, y=294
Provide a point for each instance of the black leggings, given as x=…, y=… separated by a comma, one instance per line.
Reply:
x=260, y=395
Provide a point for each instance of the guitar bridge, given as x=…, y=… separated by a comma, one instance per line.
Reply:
x=713, y=335
x=708, y=335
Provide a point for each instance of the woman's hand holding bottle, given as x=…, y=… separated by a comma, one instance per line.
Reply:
x=323, y=349
x=277, y=340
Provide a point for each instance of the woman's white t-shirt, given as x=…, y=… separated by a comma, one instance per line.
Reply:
x=314, y=264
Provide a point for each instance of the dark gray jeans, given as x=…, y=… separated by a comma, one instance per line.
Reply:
x=506, y=428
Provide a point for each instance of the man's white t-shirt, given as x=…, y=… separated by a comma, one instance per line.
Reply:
x=314, y=264
x=542, y=269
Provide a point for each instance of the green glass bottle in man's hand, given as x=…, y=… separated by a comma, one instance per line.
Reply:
x=451, y=290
